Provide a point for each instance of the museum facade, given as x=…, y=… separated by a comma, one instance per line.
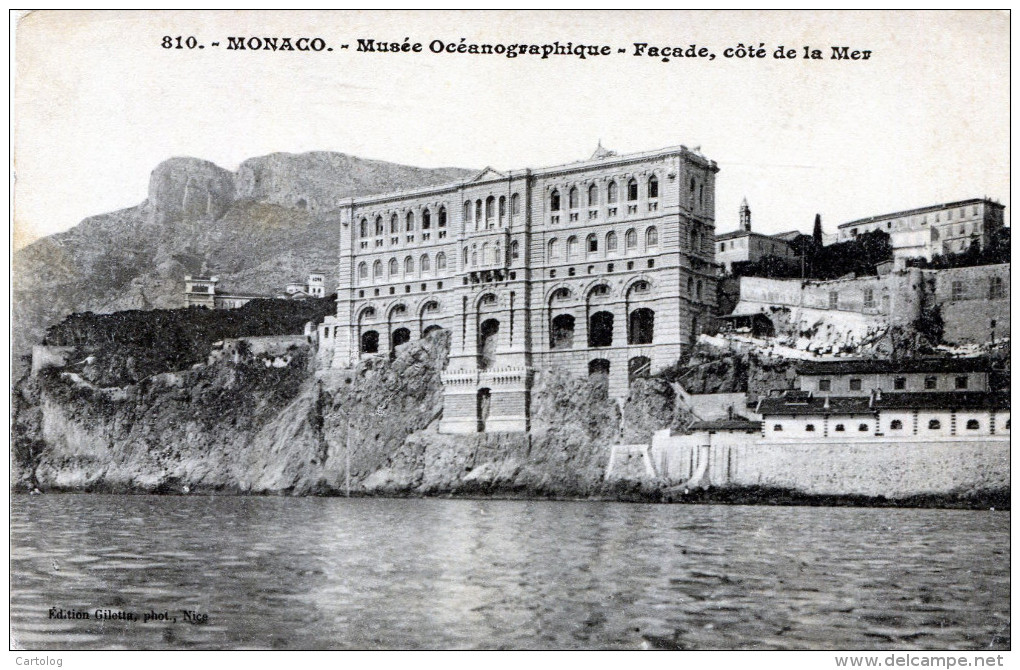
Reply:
x=603, y=266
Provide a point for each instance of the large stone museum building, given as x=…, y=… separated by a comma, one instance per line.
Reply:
x=603, y=266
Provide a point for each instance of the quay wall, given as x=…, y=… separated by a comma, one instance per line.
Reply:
x=890, y=468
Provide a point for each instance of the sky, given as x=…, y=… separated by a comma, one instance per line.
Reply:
x=925, y=119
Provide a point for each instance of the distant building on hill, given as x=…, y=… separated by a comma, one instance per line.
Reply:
x=200, y=291
x=933, y=230
x=743, y=245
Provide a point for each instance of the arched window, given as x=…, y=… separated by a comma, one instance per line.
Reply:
x=701, y=194
x=425, y=265
x=554, y=201
x=478, y=214
x=652, y=237
x=502, y=209
x=610, y=241
x=631, y=239
x=440, y=261
x=593, y=195
x=369, y=342
x=410, y=222
x=485, y=254
x=490, y=207
x=497, y=253
x=934, y=424
x=698, y=291
x=363, y=270
x=895, y=424
x=364, y=228
x=840, y=428
x=515, y=250
x=862, y=428
x=515, y=203
x=394, y=224
x=394, y=267
x=442, y=217
x=632, y=189
x=778, y=427
x=810, y=428
x=408, y=266
x=972, y=424
x=467, y=211
x=426, y=219
x=641, y=327
x=573, y=199
x=561, y=332
x=653, y=187
x=377, y=270
x=692, y=187
x=571, y=247
x=474, y=256
x=611, y=194
x=592, y=244
x=379, y=226
x=465, y=263
x=554, y=248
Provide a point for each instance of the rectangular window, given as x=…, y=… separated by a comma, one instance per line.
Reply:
x=869, y=298
x=855, y=384
x=931, y=383
x=824, y=384
x=900, y=383
x=833, y=300
x=961, y=382
x=958, y=290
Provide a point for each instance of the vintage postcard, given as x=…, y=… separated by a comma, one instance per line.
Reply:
x=507, y=330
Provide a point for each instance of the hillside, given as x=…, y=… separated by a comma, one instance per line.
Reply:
x=266, y=224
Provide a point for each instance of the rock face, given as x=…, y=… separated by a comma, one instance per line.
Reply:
x=268, y=224
x=240, y=425
x=187, y=189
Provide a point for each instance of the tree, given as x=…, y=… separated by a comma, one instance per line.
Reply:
x=816, y=235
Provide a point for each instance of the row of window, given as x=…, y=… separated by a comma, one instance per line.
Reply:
x=591, y=243
x=394, y=267
x=895, y=424
x=612, y=194
x=996, y=289
x=379, y=228
x=407, y=289
x=900, y=223
x=491, y=211
x=931, y=383
x=610, y=267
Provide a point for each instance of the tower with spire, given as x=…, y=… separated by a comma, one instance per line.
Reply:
x=745, y=216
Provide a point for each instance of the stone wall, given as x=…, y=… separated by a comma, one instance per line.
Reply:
x=981, y=297
x=890, y=468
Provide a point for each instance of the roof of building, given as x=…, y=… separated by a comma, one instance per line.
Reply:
x=603, y=159
x=867, y=366
x=745, y=233
x=944, y=400
x=726, y=424
x=790, y=235
x=920, y=210
x=791, y=405
x=794, y=404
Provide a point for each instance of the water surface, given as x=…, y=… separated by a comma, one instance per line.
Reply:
x=333, y=573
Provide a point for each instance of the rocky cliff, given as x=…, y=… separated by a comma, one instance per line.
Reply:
x=269, y=223
x=238, y=424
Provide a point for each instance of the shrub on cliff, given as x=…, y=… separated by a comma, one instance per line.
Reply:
x=128, y=346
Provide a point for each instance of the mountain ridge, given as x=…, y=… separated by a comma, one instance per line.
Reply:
x=259, y=227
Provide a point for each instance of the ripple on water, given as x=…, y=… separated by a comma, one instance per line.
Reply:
x=420, y=574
